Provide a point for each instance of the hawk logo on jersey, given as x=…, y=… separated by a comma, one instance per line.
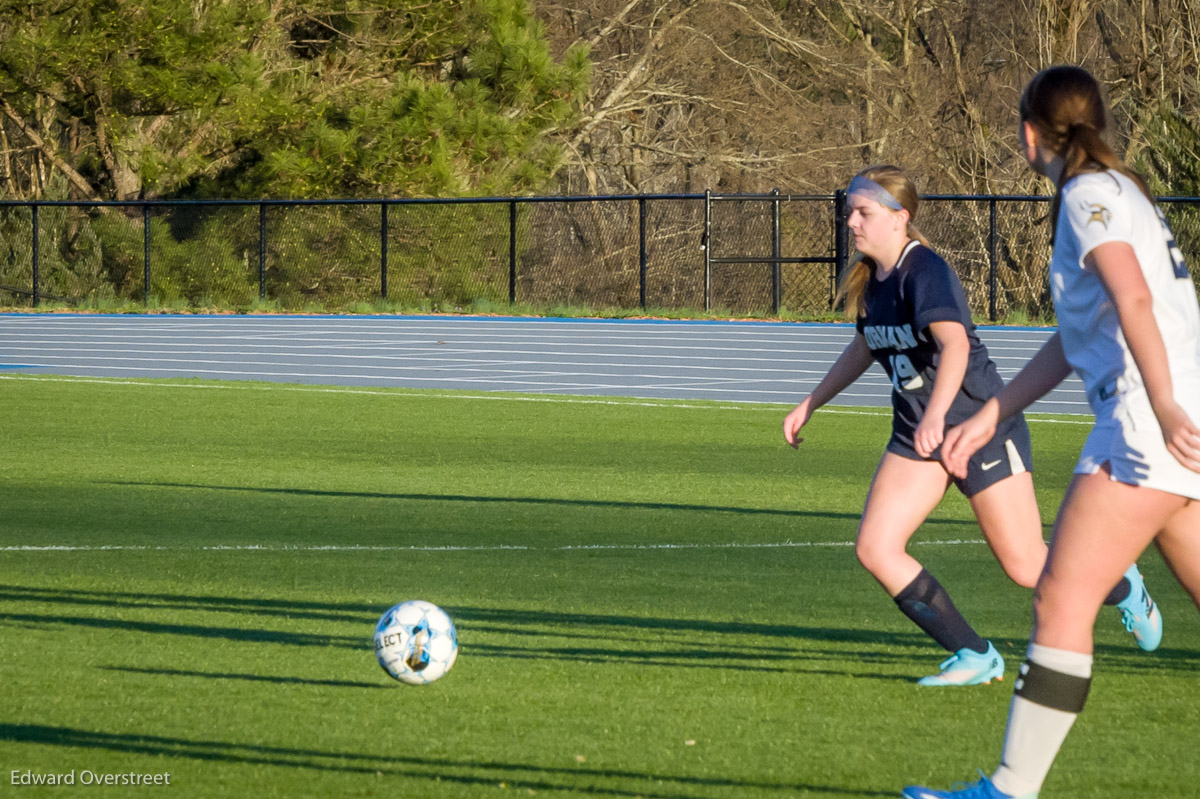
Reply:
x=1099, y=214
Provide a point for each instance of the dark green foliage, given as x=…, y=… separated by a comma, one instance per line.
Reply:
x=340, y=98
x=237, y=98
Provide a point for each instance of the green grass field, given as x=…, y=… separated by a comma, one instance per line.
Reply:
x=653, y=600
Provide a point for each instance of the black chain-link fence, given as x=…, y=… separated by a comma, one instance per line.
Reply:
x=767, y=255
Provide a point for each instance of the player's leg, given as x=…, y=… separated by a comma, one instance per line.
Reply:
x=902, y=495
x=1100, y=524
x=1102, y=527
x=1179, y=543
x=1001, y=493
x=1008, y=515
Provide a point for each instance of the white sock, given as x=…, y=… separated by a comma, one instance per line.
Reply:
x=1049, y=694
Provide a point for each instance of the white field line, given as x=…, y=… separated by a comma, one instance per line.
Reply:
x=496, y=548
x=736, y=405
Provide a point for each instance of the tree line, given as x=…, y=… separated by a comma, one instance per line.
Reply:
x=126, y=99
x=129, y=99
x=209, y=99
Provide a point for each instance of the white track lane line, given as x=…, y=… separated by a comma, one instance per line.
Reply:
x=500, y=366
x=523, y=385
x=547, y=345
x=299, y=334
x=438, y=356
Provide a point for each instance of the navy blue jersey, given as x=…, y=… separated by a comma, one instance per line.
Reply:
x=921, y=290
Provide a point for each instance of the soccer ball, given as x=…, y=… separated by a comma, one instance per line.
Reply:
x=415, y=642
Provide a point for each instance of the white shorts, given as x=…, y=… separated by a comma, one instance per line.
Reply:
x=1128, y=438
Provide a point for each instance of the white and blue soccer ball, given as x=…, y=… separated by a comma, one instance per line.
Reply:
x=416, y=642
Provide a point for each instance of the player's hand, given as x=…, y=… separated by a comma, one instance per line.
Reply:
x=964, y=440
x=929, y=433
x=794, y=421
x=1181, y=435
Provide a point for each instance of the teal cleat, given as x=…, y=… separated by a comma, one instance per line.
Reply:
x=1139, y=614
x=975, y=790
x=968, y=667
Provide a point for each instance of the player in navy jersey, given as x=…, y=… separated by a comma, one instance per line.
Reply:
x=912, y=318
x=1129, y=325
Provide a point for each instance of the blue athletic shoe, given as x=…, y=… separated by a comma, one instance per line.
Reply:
x=968, y=667
x=1139, y=614
x=975, y=790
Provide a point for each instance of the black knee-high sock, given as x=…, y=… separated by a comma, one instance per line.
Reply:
x=1119, y=592
x=930, y=607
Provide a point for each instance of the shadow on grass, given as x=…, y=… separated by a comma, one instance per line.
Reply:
x=716, y=658
x=237, y=634
x=440, y=770
x=606, y=639
x=539, y=634
x=506, y=621
x=213, y=675
x=549, y=501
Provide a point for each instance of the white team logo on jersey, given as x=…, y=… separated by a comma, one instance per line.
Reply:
x=1098, y=214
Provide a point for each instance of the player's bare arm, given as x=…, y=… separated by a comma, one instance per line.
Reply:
x=1117, y=266
x=954, y=353
x=849, y=366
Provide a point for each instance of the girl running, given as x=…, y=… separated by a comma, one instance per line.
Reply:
x=912, y=318
x=1129, y=326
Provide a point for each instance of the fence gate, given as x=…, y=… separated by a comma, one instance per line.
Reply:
x=776, y=251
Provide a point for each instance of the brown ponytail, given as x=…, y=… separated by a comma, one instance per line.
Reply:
x=1064, y=103
x=853, y=288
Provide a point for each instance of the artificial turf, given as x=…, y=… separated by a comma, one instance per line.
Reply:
x=653, y=599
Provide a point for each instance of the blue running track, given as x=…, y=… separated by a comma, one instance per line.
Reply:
x=764, y=362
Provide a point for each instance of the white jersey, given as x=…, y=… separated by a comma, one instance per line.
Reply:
x=1104, y=207
x=1107, y=206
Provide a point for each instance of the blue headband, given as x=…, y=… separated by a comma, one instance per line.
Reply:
x=873, y=191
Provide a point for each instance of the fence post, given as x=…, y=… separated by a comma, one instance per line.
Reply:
x=642, y=251
x=146, y=255
x=992, y=259
x=841, y=236
x=383, y=252
x=262, y=251
x=512, y=251
x=776, y=254
x=36, y=295
x=707, y=244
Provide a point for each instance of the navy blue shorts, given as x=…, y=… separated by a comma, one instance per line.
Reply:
x=1009, y=452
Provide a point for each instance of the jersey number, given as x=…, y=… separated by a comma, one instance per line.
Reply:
x=905, y=376
x=1177, y=262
